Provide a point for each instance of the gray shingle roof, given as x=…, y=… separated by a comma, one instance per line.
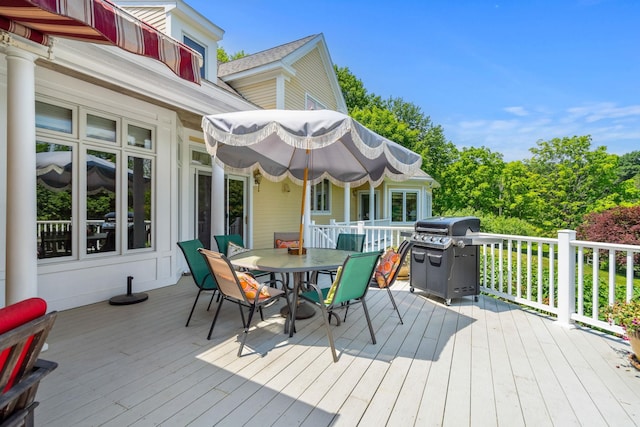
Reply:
x=262, y=58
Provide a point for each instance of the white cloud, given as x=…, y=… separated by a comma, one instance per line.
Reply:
x=616, y=127
x=517, y=111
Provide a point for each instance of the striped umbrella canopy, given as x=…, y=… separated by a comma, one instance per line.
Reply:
x=97, y=21
x=306, y=146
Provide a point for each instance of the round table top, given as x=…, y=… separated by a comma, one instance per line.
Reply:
x=280, y=261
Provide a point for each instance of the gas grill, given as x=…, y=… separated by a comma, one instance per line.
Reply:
x=444, y=258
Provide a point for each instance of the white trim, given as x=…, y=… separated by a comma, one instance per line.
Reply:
x=280, y=89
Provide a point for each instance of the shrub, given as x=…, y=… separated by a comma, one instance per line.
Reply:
x=619, y=225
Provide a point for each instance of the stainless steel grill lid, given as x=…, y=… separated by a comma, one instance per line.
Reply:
x=448, y=226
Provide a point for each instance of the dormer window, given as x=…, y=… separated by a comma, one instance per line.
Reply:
x=200, y=49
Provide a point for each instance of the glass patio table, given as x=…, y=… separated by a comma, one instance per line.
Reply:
x=280, y=261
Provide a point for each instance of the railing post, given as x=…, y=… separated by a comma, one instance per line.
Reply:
x=566, y=277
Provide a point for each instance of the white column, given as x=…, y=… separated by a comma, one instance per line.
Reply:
x=372, y=204
x=217, y=200
x=21, y=239
x=347, y=203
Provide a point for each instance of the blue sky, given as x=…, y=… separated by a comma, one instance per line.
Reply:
x=503, y=75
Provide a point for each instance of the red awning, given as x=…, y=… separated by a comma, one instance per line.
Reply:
x=97, y=21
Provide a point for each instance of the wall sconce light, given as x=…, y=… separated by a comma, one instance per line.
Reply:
x=285, y=188
x=257, y=178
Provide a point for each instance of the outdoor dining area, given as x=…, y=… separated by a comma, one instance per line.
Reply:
x=485, y=363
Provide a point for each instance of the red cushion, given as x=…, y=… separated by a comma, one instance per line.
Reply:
x=21, y=312
x=13, y=316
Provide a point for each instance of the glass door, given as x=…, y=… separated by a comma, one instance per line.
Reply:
x=363, y=205
x=203, y=207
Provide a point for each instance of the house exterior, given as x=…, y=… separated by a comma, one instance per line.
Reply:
x=137, y=178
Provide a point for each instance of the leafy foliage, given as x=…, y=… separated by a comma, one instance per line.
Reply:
x=629, y=166
x=223, y=56
x=572, y=179
x=480, y=189
x=490, y=223
x=617, y=225
x=400, y=121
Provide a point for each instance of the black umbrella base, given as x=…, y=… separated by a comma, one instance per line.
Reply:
x=303, y=311
x=128, y=299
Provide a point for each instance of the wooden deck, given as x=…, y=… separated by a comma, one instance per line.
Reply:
x=486, y=363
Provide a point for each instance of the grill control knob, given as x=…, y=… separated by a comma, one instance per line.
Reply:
x=460, y=244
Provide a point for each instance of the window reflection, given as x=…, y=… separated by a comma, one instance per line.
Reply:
x=54, y=196
x=139, y=202
x=101, y=128
x=53, y=117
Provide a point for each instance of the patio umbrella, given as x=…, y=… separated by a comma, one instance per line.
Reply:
x=97, y=21
x=306, y=146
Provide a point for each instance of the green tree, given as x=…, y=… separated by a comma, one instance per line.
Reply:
x=223, y=56
x=353, y=90
x=519, y=192
x=472, y=181
x=417, y=132
x=383, y=122
x=629, y=166
x=437, y=153
x=573, y=180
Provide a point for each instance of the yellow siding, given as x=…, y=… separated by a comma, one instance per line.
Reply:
x=310, y=78
x=262, y=94
x=275, y=210
x=153, y=16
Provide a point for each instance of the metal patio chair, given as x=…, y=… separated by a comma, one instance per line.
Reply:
x=199, y=271
x=346, y=242
x=239, y=288
x=351, y=285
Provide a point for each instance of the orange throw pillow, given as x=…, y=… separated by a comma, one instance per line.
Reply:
x=388, y=264
x=284, y=244
x=250, y=286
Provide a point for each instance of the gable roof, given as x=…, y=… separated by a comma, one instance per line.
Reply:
x=259, y=59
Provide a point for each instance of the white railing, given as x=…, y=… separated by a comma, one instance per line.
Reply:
x=377, y=237
x=560, y=276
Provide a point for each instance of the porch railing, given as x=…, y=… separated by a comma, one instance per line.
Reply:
x=377, y=237
x=571, y=279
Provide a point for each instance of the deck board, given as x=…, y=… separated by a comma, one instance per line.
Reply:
x=473, y=363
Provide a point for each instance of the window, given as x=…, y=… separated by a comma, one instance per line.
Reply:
x=54, y=117
x=54, y=197
x=404, y=206
x=101, y=128
x=200, y=49
x=83, y=208
x=311, y=103
x=139, y=137
x=139, y=203
x=102, y=190
x=200, y=158
x=321, y=197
